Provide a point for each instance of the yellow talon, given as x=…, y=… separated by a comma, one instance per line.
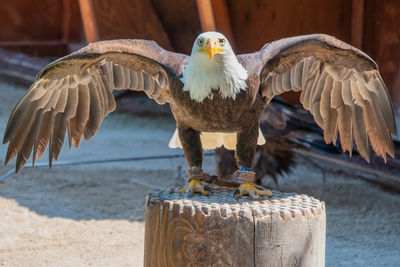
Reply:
x=194, y=186
x=250, y=190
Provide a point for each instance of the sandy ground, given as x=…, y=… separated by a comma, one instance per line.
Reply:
x=92, y=215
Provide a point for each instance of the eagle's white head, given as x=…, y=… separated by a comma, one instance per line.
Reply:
x=213, y=65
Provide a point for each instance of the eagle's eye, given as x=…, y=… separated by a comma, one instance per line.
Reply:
x=221, y=42
x=200, y=42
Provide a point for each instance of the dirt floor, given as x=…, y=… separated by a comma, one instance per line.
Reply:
x=92, y=215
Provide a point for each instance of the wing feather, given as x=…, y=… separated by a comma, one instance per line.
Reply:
x=377, y=87
x=57, y=138
x=297, y=74
x=25, y=123
x=348, y=102
x=148, y=84
x=340, y=85
x=74, y=94
x=119, y=78
x=101, y=93
x=78, y=122
x=58, y=131
x=286, y=84
x=61, y=123
x=134, y=80
x=45, y=132
x=70, y=111
x=25, y=106
x=360, y=133
x=276, y=84
x=343, y=115
x=316, y=98
x=48, y=112
x=95, y=117
x=328, y=114
x=24, y=153
x=103, y=81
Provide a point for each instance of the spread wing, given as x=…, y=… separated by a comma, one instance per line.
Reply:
x=74, y=94
x=340, y=85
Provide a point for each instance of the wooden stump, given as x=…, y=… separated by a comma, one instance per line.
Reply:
x=285, y=230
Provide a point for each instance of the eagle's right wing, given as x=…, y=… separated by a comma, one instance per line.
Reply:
x=339, y=84
x=74, y=94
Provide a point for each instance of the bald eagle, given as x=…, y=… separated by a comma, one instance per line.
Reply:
x=216, y=97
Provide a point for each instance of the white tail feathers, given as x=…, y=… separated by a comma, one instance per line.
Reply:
x=211, y=140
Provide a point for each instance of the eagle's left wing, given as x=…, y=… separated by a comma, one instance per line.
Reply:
x=340, y=85
x=74, y=94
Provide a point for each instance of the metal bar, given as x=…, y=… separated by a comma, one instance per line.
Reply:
x=100, y=161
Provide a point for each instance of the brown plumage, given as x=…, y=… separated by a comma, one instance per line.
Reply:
x=339, y=84
x=276, y=157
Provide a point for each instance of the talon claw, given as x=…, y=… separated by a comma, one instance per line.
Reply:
x=252, y=191
x=237, y=194
x=195, y=185
x=253, y=195
x=189, y=193
x=265, y=192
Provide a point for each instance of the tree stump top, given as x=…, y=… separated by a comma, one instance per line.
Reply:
x=222, y=201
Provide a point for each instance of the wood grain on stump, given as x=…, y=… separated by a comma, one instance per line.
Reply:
x=284, y=230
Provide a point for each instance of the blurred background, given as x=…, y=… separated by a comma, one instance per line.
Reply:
x=48, y=28
x=93, y=214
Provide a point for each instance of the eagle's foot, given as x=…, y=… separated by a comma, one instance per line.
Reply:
x=245, y=177
x=252, y=191
x=195, y=178
x=195, y=185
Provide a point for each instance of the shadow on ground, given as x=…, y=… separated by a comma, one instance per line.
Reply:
x=86, y=195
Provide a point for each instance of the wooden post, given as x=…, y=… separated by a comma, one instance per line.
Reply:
x=285, y=230
x=89, y=21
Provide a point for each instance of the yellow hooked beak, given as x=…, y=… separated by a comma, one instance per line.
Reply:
x=211, y=48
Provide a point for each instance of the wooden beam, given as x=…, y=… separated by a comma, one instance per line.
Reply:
x=206, y=15
x=357, y=21
x=20, y=67
x=221, y=18
x=89, y=21
x=123, y=19
x=32, y=43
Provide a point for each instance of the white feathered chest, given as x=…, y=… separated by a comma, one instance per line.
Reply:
x=224, y=73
